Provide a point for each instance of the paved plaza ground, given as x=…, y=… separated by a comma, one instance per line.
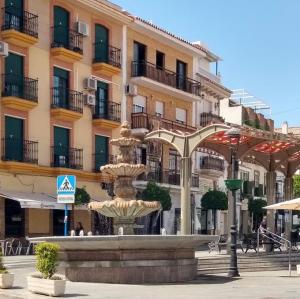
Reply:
x=261, y=285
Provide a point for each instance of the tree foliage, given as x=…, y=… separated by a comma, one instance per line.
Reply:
x=46, y=254
x=214, y=200
x=296, y=180
x=255, y=206
x=153, y=192
x=81, y=196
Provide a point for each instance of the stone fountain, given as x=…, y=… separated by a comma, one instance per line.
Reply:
x=124, y=208
x=127, y=258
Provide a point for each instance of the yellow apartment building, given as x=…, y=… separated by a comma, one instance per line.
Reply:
x=61, y=92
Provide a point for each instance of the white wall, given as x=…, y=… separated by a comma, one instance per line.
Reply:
x=232, y=115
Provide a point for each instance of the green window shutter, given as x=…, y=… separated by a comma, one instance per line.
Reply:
x=61, y=86
x=101, y=151
x=61, y=146
x=101, y=43
x=14, y=135
x=14, y=64
x=61, y=27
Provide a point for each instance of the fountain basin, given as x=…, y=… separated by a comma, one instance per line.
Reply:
x=129, y=259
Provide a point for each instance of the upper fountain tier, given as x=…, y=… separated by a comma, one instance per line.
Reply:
x=125, y=159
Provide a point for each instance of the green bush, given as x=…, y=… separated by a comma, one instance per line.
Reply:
x=81, y=196
x=46, y=259
x=2, y=268
x=153, y=192
x=214, y=200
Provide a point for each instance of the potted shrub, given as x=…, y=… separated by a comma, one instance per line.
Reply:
x=46, y=282
x=6, y=279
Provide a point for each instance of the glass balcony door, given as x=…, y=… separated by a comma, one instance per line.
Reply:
x=61, y=88
x=101, y=151
x=101, y=44
x=102, y=100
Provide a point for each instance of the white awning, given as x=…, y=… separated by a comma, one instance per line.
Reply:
x=33, y=200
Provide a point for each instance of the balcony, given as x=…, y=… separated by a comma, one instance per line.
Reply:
x=18, y=150
x=142, y=123
x=209, y=75
x=166, y=176
x=66, y=157
x=108, y=117
x=19, y=92
x=207, y=118
x=67, y=49
x=66, y=104
x=148, y=75
x=211, y=167
x=19, y=29
x=107, y=60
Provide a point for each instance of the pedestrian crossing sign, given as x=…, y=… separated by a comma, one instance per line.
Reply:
x=66, y=187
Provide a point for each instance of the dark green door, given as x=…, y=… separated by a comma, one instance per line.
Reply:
x=61, y=27
x=181, y=70
x=101, y=44
x=60, y=88
x=61, y=147
x=101, y=151
x=14, y=10
x=102, y=100
x=14, y=77
x=14, y=135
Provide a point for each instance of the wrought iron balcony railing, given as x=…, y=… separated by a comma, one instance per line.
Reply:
x=213, y=163
x=108, y=110
x=66, y=157
x=150, y=122
x=14, y=18
x=166, y=176
x=107, y=54
x=67, y=99
x=167, y=77
x=20, y=87
x=72, y=40
x=207, y=118
x=19, y=150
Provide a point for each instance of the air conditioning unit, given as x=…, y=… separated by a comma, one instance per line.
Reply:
x=90, y=83
x=83, y=28
x=131, y=90
x=3, y=49
x=90, y=99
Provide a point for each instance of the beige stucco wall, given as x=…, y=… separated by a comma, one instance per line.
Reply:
x=85, y=218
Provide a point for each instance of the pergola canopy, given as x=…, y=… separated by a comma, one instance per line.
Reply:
x=273, y=151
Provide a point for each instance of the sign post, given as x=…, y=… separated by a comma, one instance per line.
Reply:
x=66, y=187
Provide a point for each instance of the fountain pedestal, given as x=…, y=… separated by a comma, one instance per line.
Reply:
x=129, y=259
x=126, y=223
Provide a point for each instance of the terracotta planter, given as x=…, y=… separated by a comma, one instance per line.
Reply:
x=6, y=280
x=50, y=287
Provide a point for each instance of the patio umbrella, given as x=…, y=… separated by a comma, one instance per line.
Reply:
x=292, y=205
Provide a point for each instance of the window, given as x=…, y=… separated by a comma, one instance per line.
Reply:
x=160, y=60
x=244, y=175
x=60, y=94
x=181, y=115
x=101, y=109
x=139, y=104
x=159, y=109
x=256, y=178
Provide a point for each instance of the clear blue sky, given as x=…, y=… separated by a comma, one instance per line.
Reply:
x=259, y=41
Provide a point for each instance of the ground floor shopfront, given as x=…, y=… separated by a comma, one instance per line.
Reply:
x=28, y=207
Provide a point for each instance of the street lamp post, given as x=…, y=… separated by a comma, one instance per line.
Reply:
x=233, y=184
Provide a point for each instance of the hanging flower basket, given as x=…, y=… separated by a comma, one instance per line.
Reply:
x=233, y=184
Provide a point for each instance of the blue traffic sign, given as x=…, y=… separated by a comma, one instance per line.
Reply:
x=66, y=185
